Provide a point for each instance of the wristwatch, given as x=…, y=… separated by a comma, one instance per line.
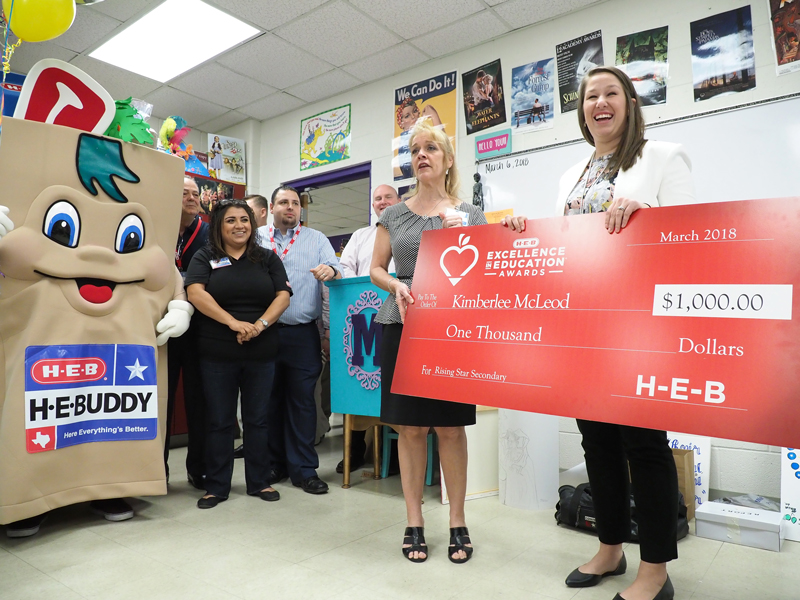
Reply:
x=265, y=323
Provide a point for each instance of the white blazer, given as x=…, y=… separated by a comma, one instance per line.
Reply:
x=661, y=177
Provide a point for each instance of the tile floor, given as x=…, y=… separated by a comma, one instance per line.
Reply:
x=344, y=545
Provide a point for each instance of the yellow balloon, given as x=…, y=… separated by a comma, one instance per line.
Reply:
x=39, y=20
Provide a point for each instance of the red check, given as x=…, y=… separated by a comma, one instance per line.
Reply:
x=686, y=320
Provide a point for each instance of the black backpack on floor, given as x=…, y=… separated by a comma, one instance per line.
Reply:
x=575, y=508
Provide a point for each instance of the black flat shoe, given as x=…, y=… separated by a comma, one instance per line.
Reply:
x=416, y=537
x=459, y=538
x=313, y=485
x=577, y=579
x=238, y=452
x=667, y=592
x=269, y=496
x=197, y=481
x=209, y=502
x=276, y=476
x=355, y=465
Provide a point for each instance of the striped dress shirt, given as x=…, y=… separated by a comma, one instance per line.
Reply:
x=310, y=249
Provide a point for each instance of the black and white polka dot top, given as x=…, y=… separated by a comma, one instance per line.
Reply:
x=405, y=229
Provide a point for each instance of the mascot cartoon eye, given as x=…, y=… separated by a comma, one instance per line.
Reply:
x=62, y=224
x=130, y=235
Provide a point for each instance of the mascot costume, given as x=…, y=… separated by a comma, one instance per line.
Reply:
x=88, y=295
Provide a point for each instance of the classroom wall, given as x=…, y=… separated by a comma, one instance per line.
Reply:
x=273, y=146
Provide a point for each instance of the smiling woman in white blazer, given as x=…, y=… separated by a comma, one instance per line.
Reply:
x=661, y=177
x=626, y=173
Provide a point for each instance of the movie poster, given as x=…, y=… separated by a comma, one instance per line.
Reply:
x=533, y=96
x=484, y=100
x=433, y=99
x=643, y=56
x=723, y=61
x=325, y=138
x=575, y=58
x=786, y=33
x=226, y=158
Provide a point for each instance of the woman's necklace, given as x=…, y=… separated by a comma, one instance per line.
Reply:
x=435, y=206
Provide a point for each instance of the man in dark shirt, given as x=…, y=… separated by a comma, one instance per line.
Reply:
x=182, y=351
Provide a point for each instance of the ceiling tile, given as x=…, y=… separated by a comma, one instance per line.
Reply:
x=523, y=12
x=219, y=84
x=494, y=2
x=168, y=101
x=420, y=17
x=464, y=34
x=268, y=15
x=274, y=61
x=118, y=82
x=388, y=62
x=340, y=33
x=28, y=55
x=271, y=106
x=89, y=29
x=324, y=86
x=121, y=10
x=229, y=119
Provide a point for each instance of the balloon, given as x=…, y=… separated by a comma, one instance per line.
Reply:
x=39, y=20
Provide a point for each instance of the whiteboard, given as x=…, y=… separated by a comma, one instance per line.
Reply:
x=740, y=153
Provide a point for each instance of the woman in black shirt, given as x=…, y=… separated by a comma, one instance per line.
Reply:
x=239, y=290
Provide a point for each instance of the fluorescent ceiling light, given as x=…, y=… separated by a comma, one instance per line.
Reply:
x=173, y=38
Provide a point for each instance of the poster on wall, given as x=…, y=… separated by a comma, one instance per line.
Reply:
x=325, y=138
x=213, y=191
x=434, y=99
x=785, y=18
x=533, y=95
x=484, y=97
x=790, y=492
x=643, y=56
x=723, y=60
x=226, y=160
x=575, y=58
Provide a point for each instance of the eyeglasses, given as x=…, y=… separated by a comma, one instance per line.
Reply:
x=232, y=203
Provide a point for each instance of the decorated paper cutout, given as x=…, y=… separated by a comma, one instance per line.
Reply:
x=100, y=160
x=127, y=125
x=59, y=93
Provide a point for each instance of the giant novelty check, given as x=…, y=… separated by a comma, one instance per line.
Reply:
x=686, y=320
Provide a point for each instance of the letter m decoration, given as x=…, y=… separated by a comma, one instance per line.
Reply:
x=366, y=338
x=360, y=338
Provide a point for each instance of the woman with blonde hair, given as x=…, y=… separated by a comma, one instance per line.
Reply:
x=434, y=204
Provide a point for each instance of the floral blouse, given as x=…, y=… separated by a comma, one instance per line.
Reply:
x=594, y=191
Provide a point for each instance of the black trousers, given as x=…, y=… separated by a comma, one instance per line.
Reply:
x=223, y=381
x=182, y=357
x=292, y=416
x=609, y=449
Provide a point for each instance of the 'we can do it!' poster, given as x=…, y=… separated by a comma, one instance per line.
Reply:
x=433, y=98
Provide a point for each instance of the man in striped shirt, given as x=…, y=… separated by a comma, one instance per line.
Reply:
x=309, y=260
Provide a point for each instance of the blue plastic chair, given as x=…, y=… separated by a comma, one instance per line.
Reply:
x=390, y=434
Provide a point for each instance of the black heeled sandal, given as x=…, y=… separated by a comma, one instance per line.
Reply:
x=416, y=537
x=459, y=537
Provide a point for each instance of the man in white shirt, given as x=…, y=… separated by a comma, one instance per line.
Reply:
x=355, y=261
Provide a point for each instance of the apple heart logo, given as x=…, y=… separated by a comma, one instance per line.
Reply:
x=462, y=246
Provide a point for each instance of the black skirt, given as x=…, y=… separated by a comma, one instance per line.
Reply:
x=397, y=409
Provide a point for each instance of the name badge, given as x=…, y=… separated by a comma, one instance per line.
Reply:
x=222, y=262
x=464, y=216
